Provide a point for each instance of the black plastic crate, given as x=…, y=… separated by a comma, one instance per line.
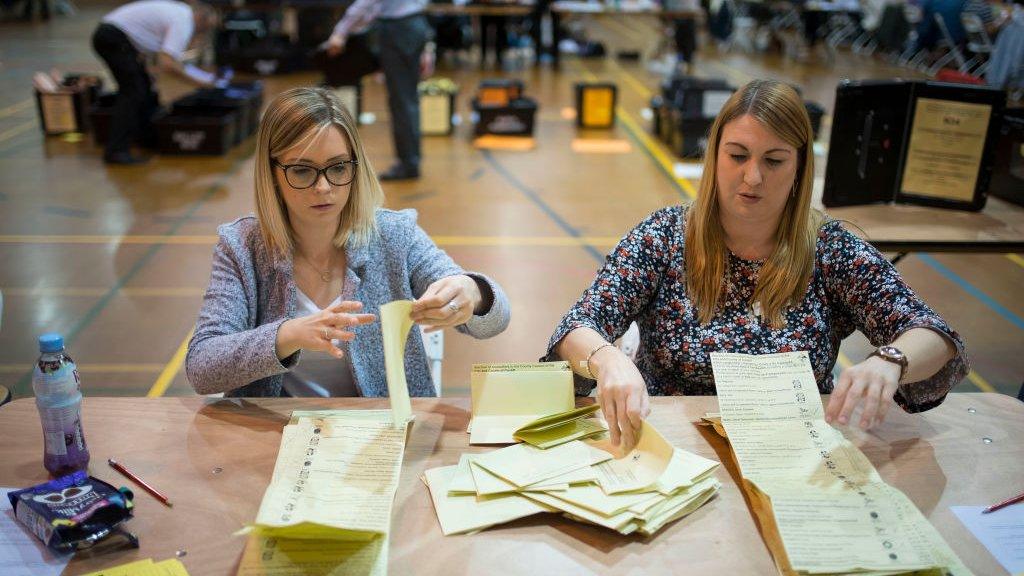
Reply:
x=267, y=56
x=213, y=133
x=100, y=115
x=697, y=97
x=595, y=104
x=245, y=100
x=498, y=92
x=816, y=112
x=689, y=138
x=68, y=110
x=516, y=119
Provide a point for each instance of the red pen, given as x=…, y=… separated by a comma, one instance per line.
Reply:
x=156, y=494
x=1004, y=503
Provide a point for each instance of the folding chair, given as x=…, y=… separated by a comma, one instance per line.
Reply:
x=954, y=53
x=978, y=42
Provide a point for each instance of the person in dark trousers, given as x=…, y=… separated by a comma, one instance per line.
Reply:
x=404, y=33
x=126, y=39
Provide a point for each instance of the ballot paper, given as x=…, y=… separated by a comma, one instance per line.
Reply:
x=505, y=397
x=1002, y=532
x=641, y=492
x=821, y=505
x=395, y=323
x=561, y=427
x=146, y=567
x=300, y=557
x=335, y=478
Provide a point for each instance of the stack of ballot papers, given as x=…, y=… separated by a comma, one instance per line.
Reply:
x=328, y=507
x=821, y=505
x=641, y=491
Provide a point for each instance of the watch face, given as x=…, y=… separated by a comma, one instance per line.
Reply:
x=891, y=352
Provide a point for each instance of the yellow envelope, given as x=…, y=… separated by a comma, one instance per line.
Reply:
x=560, y=428
x=637, y=470
x=507, y=396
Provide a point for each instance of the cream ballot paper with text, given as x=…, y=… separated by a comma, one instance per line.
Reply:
x=507, y=396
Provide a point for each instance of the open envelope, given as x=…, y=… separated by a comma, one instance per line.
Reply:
x=507, y=396
x=562, y=427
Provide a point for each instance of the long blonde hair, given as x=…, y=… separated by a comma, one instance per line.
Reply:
x=785, y=275
x=287, y=121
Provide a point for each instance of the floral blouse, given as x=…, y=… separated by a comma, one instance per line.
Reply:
x=853, y=287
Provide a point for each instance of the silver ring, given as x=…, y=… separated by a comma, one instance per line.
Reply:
x=453, y=306
x=326, y=335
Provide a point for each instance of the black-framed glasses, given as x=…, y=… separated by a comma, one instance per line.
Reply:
x=301, y=176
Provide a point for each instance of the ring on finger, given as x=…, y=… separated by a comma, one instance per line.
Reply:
x=453, y=306
x=325, y=334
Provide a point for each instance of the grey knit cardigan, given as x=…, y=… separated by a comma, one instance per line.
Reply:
x=252, y=293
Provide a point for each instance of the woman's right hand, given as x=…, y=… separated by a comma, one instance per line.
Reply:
x=622, y=394
x=316, y=331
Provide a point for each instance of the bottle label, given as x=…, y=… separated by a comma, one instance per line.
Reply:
x=63, y=380
x=62, y=429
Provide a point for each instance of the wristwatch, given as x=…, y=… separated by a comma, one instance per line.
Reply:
x=894, y=355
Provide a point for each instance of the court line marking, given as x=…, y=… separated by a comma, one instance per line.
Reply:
x=163, y=381
x=16, y=107
x=1016, y=259
x=21, y=386
x=89, y=368
x=19, y=129
x=980, y=382
x=211, y=240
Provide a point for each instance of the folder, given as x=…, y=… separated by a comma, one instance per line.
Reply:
x=560, y=428
x=504, y=397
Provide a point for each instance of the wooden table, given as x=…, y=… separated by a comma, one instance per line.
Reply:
x=214, y=457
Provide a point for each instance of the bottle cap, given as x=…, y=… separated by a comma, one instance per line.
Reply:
x=51, y=343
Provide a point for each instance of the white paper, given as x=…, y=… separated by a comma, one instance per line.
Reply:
x=21, y=553
x=1002, y=532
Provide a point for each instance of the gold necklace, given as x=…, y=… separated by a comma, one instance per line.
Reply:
x=326, y=275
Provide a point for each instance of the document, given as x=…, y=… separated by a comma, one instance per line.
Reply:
x=395, y=324
x=562, y=427
x=334, y=479
x=298, y=557
x=169, y=567
x=522, y=464
x=505, y=397
x=490, y=484
x=1002, y=532
x=21, y=553
x=461, y=514
x=637, y=470
x=821, y=504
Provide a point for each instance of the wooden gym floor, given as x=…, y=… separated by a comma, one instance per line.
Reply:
x=117, y=258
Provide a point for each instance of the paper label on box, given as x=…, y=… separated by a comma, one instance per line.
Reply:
x=58, y=113
x=713, y=102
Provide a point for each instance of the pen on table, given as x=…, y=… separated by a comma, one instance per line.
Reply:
x=117, y=466
x=1004, y=503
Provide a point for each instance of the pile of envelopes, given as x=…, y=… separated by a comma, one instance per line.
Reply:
x=586, y=480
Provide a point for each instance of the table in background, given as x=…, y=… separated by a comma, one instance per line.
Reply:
x=214, y=458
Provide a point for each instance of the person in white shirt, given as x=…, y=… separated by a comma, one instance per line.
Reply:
x=134, y=34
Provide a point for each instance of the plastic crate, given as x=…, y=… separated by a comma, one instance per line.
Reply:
x=212, y=133
x=516, y=119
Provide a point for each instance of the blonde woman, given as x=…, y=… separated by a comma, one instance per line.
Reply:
x=292, y=301
x=749, y=267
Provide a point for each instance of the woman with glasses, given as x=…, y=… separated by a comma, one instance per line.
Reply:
x=293, y=295
x=749, y=267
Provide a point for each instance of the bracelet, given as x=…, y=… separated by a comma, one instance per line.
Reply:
x=586, y=363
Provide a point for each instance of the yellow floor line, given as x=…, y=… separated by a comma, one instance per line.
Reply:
x=15, y=108
x=980, y=382
x=163, y=381
x=1016, y=259
x=20, y=128
x=98, y=291
x=88, y=368
x=210, y=240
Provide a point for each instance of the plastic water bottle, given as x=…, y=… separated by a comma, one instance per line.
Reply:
x=59, y=399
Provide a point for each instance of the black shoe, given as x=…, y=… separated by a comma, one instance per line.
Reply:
x=400, y=172
x=124, y=158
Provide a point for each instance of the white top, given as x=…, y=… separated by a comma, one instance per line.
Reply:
x=319, y=373
x=155, y=26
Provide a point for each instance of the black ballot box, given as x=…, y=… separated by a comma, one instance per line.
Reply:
x=1008, y=175
x=815, y=112
x=498, y=92
x=514, y=119
x=244, y=99
x=102, y=112
x=212, y=133
x=914, y=142
x=689, y=137
x=696, y=97
x=595, y=104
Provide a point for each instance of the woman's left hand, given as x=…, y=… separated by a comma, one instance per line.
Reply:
x=873, y=382
x=448, y=302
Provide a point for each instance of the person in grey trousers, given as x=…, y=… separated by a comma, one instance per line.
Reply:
x=294, y=291
x=403, y=33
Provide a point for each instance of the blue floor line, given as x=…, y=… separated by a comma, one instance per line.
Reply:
x=972, y=290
